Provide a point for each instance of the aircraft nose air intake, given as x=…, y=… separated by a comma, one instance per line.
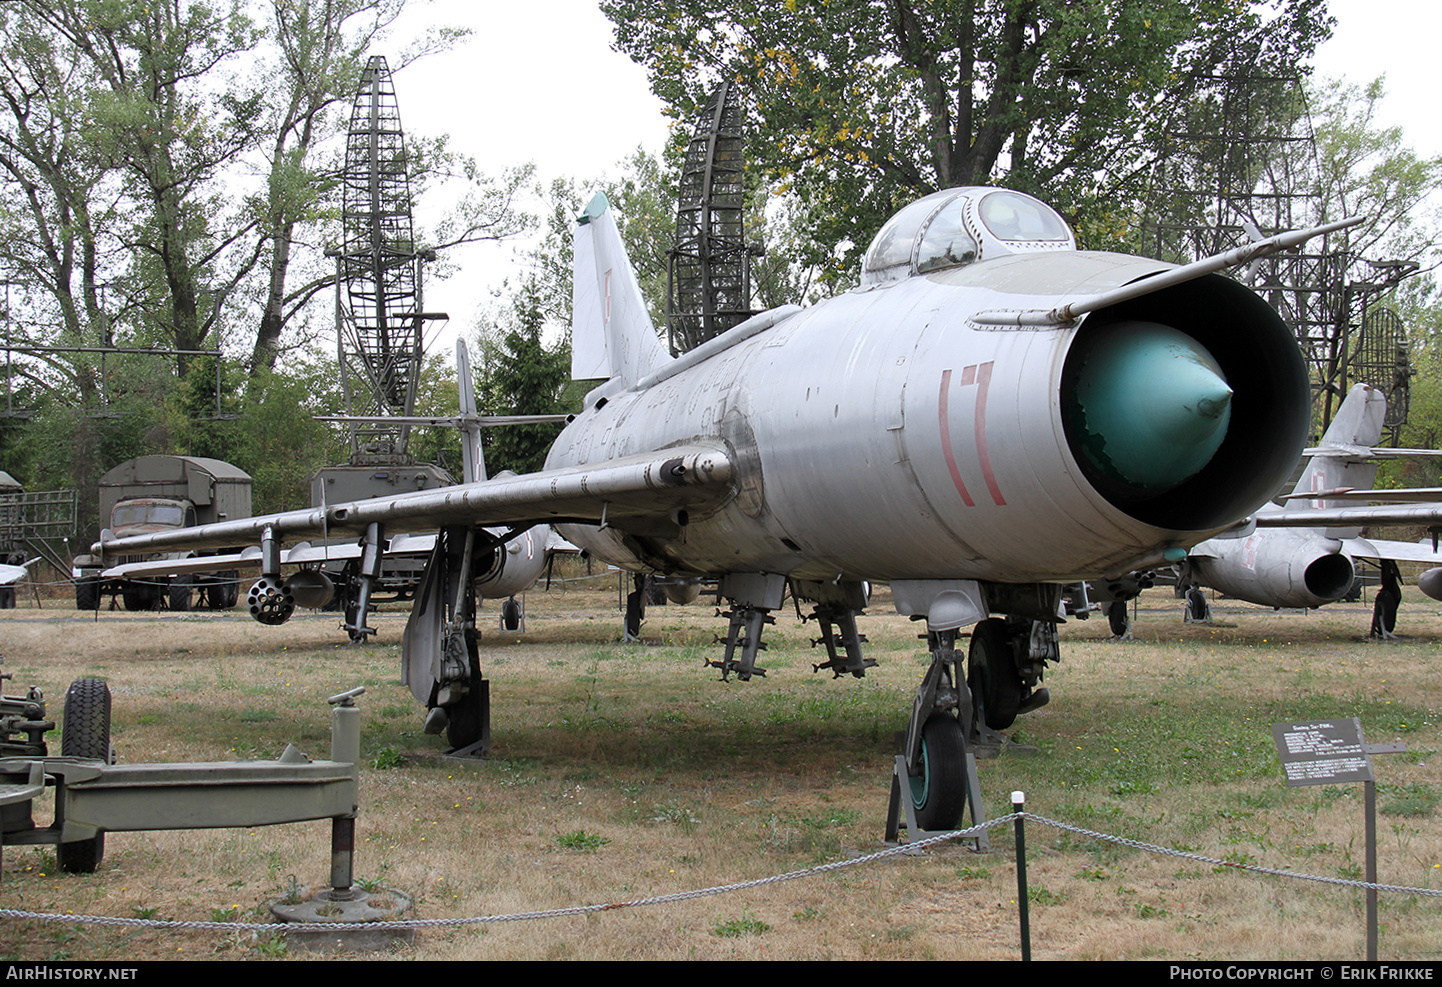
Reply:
x=1151, y=406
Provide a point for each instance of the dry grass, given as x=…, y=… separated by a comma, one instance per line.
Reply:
x=623, y=772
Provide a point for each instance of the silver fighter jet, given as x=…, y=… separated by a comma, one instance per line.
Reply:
x=1303, y=554
x=990, y=416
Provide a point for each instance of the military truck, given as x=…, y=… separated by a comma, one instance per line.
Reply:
x=11, y=518
x=153, y=493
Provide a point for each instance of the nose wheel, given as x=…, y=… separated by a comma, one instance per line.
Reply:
x=938, y=789
x=933, y=779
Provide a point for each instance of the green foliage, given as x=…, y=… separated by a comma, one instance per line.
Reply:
x=386, y=758
x=279, y=443
x=580, y=841
x=121, y=126
x=746, y=925
x=1038, y=895
x=521, y=376
x=861, y=107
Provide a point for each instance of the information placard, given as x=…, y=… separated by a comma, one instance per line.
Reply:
x=1329, y=752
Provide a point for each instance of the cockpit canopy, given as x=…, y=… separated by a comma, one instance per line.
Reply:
x=959, y=226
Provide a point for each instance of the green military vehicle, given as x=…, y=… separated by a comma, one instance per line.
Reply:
x=154, y=493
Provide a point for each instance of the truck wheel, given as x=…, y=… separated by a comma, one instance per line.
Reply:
x=227, y=594
x=180, y=593
x=87, y=594
x=139, y=597
x=85, y=733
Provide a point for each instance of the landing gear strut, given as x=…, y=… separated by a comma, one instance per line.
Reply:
x=1389, y=597
x=441, y=659
x=934, y=754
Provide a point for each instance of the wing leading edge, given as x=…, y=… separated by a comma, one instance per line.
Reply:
x=652, y=486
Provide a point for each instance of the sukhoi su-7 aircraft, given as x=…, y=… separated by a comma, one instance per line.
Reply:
x=990, y=416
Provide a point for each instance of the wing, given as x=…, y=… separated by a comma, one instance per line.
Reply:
x=1345, y=517
x=1409, y=495
x=649, y=487
x=303, y=553
x=1397, y=551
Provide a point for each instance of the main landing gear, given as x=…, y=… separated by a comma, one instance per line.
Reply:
x=440, y=658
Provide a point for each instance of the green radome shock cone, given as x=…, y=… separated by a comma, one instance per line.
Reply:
x=1151, y=406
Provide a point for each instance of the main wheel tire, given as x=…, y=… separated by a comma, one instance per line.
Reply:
x=86, y=733
x=1118, y=618
x=511, y=614
x=87, y=594
x=992, y=675
x=1196, y=604
x=938, y=792
x=466, y=723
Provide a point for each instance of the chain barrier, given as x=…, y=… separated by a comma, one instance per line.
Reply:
x=898, y=850
x=1232, y=864
x=904, y=848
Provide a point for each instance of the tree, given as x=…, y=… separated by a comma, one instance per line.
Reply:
x=864, y=105
x=168, y=170
x=522, y=377
x=167, y=117
x=318, y=49
x=1363, y=169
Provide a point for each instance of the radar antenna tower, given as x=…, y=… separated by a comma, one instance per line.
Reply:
x=709, y=277
x=379, y=315
x=1235, y=164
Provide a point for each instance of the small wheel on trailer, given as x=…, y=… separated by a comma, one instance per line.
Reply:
x=139, y=597
x=85, y=733
x=227, y=594
x=992, y=673
x=938, y=790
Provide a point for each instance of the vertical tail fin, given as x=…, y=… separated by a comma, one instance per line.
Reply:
x=611, y=332
x=472, y=459
x=1341, y=461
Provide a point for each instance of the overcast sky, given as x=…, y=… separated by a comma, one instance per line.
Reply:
x=540, y=82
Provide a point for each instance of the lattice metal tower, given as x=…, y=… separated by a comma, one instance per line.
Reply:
x=1381, y=356
x=1234, y=165
x=379, y=316
x=709, y=278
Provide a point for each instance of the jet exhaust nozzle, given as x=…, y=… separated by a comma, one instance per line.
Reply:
x=1186, y=408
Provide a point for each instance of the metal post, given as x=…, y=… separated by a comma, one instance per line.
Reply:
x=345, y=749
x=342, y=858
x=1370, y=799
x=1018, y=806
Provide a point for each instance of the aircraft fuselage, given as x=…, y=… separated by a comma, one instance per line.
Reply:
x=884, y=434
